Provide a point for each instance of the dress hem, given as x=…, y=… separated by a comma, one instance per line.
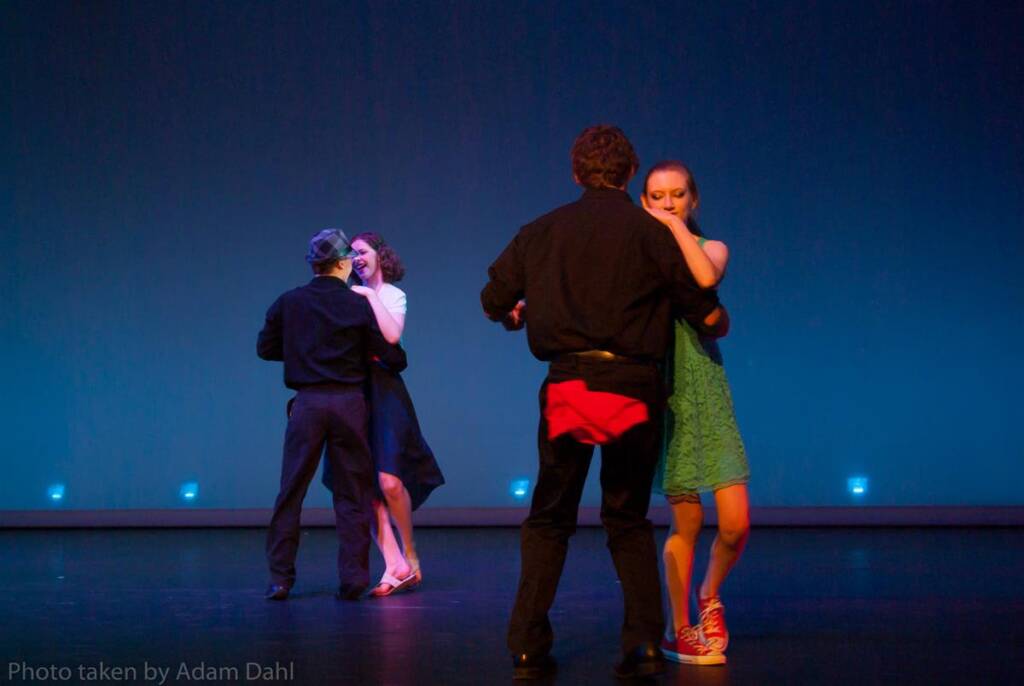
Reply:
x=707, y=489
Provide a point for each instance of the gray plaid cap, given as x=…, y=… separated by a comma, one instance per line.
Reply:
x=328, y=245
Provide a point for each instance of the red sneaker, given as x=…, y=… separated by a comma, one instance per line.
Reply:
x=688, y=650
x=713, y=631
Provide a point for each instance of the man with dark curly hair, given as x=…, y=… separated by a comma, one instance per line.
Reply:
x=603, y=280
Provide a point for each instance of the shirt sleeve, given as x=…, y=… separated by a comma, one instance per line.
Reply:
x=270, y=342
x=393, y=299
x=507, y=281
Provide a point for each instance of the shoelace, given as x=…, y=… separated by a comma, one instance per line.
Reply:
x=711, y=616
x=691, y=637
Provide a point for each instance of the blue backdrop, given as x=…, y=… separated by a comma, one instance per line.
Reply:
x=165, y=163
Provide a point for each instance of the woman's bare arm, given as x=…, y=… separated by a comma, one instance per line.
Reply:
x=391, y=324
x=707, y=263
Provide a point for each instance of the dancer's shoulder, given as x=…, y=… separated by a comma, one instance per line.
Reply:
x=393, y=297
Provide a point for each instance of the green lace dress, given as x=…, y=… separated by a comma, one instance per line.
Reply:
x=703, y=451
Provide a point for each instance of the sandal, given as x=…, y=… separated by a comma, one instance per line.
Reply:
x=389, y=584
x=414, y=564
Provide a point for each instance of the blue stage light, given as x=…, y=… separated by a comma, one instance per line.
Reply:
x=56, y=493
x=519, y=488
x=189, y=491
x=857, y=485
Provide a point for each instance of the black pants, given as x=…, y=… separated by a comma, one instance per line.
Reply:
x=627, y=471
x=335, y=418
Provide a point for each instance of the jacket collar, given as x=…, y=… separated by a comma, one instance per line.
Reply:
x=327, y=283
x=606, y=194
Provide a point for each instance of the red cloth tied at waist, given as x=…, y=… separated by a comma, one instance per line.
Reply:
x=593, y=417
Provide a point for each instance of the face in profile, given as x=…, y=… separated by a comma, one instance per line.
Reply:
x=669, y=190
x=365, y=261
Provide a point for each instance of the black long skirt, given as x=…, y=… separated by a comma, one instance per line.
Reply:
x=396, y=441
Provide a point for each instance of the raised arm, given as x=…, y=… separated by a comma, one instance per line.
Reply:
x=707, y=263
x=699, y=306
x=379, y=349
x=391, y=322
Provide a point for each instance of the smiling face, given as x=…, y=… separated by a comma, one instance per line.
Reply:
x=670, y=190
x=365, y=262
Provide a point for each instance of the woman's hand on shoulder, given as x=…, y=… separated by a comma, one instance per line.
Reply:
x=363, y=291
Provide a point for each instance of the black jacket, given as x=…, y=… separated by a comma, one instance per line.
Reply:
x=597, y=274
x=325, y=334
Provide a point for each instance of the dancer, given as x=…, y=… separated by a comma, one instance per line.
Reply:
x=326, y=336
x=406, y=469
x=705, y=452
x=601, y=277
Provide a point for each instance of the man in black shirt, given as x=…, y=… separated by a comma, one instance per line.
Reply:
x=603, y=281
x=327, y=337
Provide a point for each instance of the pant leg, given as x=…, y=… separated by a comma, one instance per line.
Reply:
x=327, y=477
x=303, y=444
x=354, y=483
x=627, y=472
x=544, y=537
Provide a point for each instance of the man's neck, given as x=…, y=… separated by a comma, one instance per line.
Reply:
x=339, y=275
x=604, y=188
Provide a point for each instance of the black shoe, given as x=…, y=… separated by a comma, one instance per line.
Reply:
x=526, y=666
x=643, y=661
x=276, y=592
x=350, y=591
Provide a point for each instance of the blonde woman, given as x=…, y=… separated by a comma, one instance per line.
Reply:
x=705, y=452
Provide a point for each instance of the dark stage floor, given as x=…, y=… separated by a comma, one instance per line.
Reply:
x=814, y=606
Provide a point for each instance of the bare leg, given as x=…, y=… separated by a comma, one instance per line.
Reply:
x=687, y=518
x=394, y=563
x=733, y=531
x=400, y=509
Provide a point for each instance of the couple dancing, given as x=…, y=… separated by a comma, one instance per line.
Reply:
x=341, y=353
x=612, y=292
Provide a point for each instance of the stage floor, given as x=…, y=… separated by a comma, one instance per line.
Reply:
x=805, y=606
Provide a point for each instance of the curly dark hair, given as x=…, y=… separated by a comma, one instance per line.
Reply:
x=602, y=156
x=387, y=259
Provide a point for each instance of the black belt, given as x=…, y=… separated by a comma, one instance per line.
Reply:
x=330, y=387
x=601, y=356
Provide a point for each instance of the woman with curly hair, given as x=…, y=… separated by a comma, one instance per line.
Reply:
x=406, y=469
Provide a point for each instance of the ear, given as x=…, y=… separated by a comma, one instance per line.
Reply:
x=643, y=200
